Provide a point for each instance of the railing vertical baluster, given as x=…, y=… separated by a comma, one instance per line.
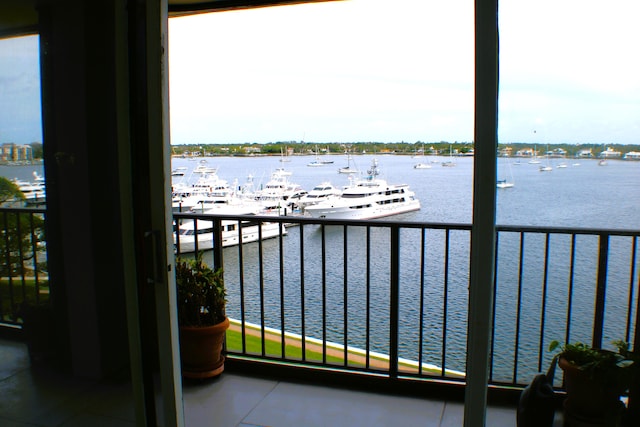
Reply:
x=243, y=318
x=195, y=236
x=324, y=294
x=445, y=302
x=601, y=291
x=423, y=234
x=495, y=299
x=23, y=281
x=394, y=302
x=632, y=275
x=7, y=261
x=281, y=266
x=176, y=233
x=570, y=290
x=636, y=335
x=217, y=244
x=261, y=284
x=34, y=251
x=633, y=408
x=368, y=297
x=302, y=295
x=345, y=293
x=518, y=307
x=543, y=308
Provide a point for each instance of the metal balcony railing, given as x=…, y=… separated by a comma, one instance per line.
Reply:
x=23, y=262
x=390, y=298
x=385, y=298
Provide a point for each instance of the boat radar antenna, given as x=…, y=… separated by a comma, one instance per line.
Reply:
x=373, y=170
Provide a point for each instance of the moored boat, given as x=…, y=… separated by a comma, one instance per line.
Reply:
x=321, y=192
x=367, y=198
x=202, y=231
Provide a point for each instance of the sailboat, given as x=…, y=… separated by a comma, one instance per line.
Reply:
x=348, y=169
x=450, y=162
x=534, y=160
x=317, y=161
x=284, y=155
x=422, y=164
x=547, y=167
x=504, y=183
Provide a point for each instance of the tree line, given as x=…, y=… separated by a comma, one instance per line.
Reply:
x=406, y=148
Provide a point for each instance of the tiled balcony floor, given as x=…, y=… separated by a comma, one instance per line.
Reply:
x=39, y=398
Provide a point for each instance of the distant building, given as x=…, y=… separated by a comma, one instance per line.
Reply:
x=610, y=153
x=585, y=153
x=556, y=152
x=10, y=152
x=632, y=155
x=526, y=152
x=505, y=152
x=252, y=150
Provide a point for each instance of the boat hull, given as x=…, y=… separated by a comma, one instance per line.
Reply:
x=358, y=212
x=206, y=239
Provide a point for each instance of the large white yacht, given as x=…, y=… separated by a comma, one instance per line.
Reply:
x=203, y=231
x=279, y=192
x=208, y=190
x=367, y=198
x=34, y=192
x=320, y=193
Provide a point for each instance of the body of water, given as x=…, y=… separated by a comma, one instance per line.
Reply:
x=588, y=195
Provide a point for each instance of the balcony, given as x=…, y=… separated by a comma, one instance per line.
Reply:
x=387, y=300
x=43, y=398
x=379, y=306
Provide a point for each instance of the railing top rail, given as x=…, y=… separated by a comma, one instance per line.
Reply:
x=307, y=220
x=567, y=230
x=382, y=223
x=23, y=209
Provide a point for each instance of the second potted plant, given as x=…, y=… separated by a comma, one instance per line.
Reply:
x=201, y=317
x=594, y=381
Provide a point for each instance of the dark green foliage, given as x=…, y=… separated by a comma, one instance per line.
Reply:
x=611, y=368
x=22, y=240
x=9, y=191
x=201, y=293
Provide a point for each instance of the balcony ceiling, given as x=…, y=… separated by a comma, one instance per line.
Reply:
x=20, y=17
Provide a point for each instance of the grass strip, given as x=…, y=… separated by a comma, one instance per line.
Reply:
x=293, y=352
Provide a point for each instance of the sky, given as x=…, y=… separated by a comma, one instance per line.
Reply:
x=20, y=112
x=360, y=70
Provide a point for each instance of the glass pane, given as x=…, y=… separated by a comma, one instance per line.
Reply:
x=569, y=105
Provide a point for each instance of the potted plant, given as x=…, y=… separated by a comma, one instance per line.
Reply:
x=594, y=380
x=201, y=317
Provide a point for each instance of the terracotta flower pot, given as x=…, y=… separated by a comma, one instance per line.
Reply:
x=588, y=402
x=201, y=350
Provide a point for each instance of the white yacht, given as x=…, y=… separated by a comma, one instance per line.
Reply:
x=209, y=189
x=203, y=231
x=34, y=192
x=279, y=192
x=422, y=165
x=319, y=193
x=204, y=168
x=503, y=183
x=367, y=198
